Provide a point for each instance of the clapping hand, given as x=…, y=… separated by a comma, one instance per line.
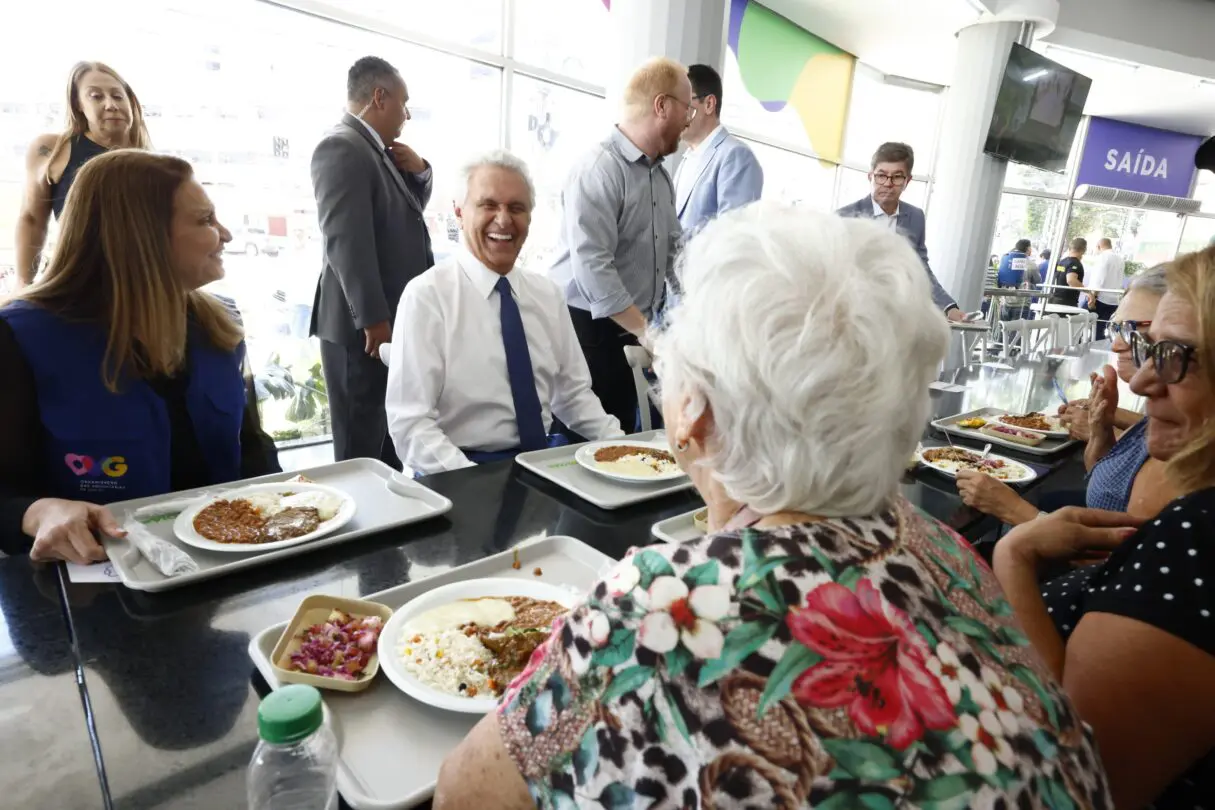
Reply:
x=1071, y=534
x=1103, y=405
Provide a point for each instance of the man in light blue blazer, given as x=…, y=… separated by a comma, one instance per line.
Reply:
x=889, y=174
x=717, y=171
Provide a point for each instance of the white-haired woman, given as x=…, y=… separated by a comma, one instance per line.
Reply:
x=826, y=644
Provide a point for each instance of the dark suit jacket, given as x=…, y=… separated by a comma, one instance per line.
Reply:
x=375, y=239
x=910, y=223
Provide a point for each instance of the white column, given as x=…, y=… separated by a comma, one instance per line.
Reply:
x=688, y=31
x=967, y=184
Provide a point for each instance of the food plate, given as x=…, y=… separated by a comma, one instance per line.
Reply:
x=390, y=641
x=1017, y=473
x=585, y=456
x=183, y=527
x=1057, y=431
x=316, y=609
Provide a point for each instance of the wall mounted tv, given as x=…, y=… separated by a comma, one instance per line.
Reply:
x=1037, y=111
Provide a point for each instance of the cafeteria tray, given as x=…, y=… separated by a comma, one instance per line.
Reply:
x=557, y=465
x=678, y=529
x=1048, y=447
x=385, y=500
x=390, y=745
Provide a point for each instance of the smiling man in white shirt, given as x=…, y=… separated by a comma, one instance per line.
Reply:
x=473, y=376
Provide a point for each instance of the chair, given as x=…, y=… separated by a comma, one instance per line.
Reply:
x=1081, y=328
x=971, y=335
x=639, y=360
x=1031, y=336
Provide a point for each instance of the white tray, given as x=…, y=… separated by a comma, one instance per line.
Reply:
x=557, y=464
x=949, y=425
x=384, y=502
x=390, y=745
x=678, y=529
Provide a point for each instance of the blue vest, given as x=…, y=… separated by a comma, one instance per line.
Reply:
x=104, y=447
x=1012, y=269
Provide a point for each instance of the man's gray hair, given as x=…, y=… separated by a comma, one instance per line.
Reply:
x=1151, y=281
x=366, y=75
x=501, y=159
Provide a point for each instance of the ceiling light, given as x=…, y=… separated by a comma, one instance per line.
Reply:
x=1096, y=57
x=978, y=6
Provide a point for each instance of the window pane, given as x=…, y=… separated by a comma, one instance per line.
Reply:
x=1143, y=238
x=551, y=127
x=205, y=99
x=794, y=178
x=542, y=37
x=1029, y=178
x=1197, y=234
x=1038, y=219
x=1205, y=191
x=881, y=112
x=476, y=23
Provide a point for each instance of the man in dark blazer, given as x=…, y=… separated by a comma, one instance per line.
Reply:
x=889, y=174
x=370, y=193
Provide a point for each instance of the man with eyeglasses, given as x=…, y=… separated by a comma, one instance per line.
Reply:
x=889, y=174
x=717, y=171
x=370, y=192
x=619, y=232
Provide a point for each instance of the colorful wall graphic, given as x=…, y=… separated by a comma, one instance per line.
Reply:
x=782, y=64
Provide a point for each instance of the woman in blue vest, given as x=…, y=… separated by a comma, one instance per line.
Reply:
x=123, y=379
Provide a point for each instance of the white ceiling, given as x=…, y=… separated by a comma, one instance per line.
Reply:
x=921, y=46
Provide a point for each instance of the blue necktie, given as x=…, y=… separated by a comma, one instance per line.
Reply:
x=519, y=370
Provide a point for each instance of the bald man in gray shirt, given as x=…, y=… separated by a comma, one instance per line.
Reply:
x=620, y=231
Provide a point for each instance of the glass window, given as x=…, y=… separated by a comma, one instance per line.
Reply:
x=883, y=110
x=1029, y=178
x=551, y=127
x=855, y=184
x=1198, y=233
x=795, y=178
x=1038, y=219
x=1205, y=191
x=1143, y=238
x=744, y=112
x=542, y=37
x=475, y=23
x=205, y=95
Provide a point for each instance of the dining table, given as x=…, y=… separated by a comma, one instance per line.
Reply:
x=117, y=698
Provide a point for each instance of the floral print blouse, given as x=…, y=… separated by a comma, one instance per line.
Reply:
x=867, y=662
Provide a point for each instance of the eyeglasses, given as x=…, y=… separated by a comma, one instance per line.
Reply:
x=1170, y=358
x=1124, y=329
x=883, y=179
x=691, y=110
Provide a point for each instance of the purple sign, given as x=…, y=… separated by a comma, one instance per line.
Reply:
x=1137, y=158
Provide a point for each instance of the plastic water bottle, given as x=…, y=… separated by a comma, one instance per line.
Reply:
x=295, y=764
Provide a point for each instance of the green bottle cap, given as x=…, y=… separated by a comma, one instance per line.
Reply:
x=290, y=714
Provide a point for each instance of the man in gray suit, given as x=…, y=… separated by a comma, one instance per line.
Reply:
x=370, y=194
x=889, y=174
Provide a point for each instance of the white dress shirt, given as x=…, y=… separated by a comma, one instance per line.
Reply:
x=375, y=135
x=447, y=381
x=1107, y=272
x=688, y=171
x=882, y=218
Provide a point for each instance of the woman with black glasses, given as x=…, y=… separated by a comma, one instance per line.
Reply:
x=1133, y=639
x=1122, y=477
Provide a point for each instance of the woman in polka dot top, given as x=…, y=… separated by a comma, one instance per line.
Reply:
x=1133, y=639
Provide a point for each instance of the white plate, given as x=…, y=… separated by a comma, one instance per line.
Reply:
x=1026, y=473
x=585, y=456
x=388, y=648
x=183, y=527
x=1060, y=433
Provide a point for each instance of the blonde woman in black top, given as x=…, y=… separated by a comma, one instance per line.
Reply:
x=103, y=113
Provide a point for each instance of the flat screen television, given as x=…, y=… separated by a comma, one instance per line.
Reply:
x=1037, y=111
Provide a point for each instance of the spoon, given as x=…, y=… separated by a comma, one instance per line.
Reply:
x=986, y=450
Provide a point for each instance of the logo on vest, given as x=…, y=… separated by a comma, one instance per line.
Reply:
x=100, y=476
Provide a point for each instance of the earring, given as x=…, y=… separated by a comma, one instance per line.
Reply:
x=681, y=446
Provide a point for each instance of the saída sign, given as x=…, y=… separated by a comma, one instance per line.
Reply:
x=1138, y=158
